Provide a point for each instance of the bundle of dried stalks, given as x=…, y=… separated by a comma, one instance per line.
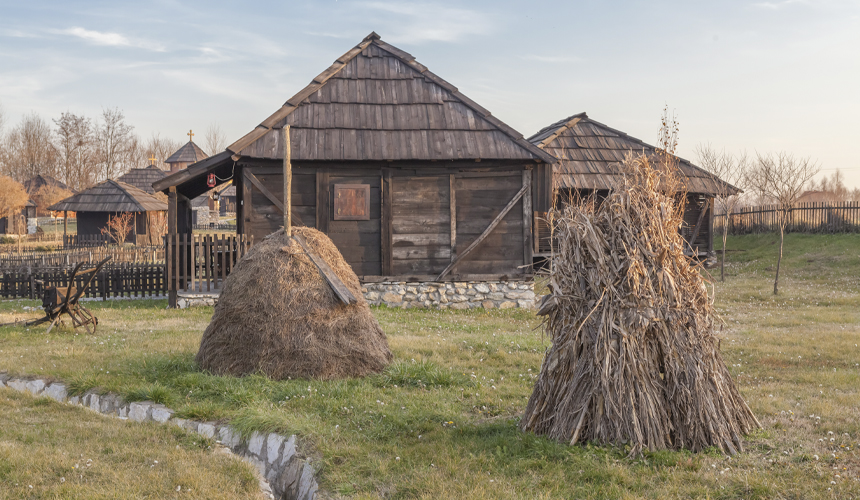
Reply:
x=278, y=316
x=634, y=359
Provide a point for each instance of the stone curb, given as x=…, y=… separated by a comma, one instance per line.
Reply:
x=284, y=473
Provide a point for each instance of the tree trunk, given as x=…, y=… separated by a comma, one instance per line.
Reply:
x=779, y=260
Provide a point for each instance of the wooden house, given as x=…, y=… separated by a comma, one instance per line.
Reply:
x=589, y=157
x=412, y=180
x=186, y=155
x=143, y=178
x=37, y=182
x=97, y=204
x=18, y=223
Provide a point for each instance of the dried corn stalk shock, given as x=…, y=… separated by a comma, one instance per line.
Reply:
x=634, y=359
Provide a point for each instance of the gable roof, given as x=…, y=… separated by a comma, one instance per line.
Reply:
x=34, y=183
x=590, y=153
x=189, y=153
x=110, y=196
x=376, y=102
x=142, y=178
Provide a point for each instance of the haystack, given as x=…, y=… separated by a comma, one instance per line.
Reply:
x=276, y=315
x=634, y=357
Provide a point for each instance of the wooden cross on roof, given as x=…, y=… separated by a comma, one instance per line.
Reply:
x=190, y=135
x=152, y=159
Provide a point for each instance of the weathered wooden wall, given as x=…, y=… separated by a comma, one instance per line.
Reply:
x=408, y=232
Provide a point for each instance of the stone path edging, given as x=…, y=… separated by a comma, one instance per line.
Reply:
x=288, y=475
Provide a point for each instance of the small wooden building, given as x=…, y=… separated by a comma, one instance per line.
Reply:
x=411, y=179
x=97, y=204
x=590, y=155
x=18, y=223
x=143, y=178
x=186, y=155
x=37, y=182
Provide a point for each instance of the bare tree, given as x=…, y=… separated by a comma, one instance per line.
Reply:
x=119, y=226
x=214, y=141
x=115, y=144
x=2, y=117
x=160, y=148
x=13, y=197
x=29, y=149
x=48, y=195
x=730, y=172
x=76, y=148
x=781, y=177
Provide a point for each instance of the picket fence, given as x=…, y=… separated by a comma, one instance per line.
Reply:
x=818, y=217
x=114, y=280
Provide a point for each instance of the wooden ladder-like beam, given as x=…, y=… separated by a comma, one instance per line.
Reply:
x=486, y=232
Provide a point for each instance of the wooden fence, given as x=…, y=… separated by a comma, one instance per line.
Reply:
x=66, y=258
x=820, y=217
x=86, y=240
x=200, y=262
x=114, y=280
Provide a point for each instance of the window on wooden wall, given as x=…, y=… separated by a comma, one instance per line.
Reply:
x=351, y=202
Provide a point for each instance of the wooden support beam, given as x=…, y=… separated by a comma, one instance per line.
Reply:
x=528, y=236
x=328, y=273
x=387, y=223
x=268, y=194
x=486, y=232
x=693, y=236
x=453, y=211
x=288, y=181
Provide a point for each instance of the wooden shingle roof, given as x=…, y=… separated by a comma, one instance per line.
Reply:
x=376, y=102
x=189, y=153
x=142, y=178
x=110, y=196
x=590, y=155
x=34, y=183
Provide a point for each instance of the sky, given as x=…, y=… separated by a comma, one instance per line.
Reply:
x=754, y=76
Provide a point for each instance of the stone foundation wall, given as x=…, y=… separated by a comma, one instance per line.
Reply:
x=457, y=295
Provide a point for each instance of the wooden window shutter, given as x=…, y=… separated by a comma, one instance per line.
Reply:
x=351, y=202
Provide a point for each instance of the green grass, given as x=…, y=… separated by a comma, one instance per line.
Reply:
x=440, y=422
x=53, y=450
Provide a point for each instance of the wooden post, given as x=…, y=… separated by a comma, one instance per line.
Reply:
x=288, y=180
x=65, y=224
x=452, y=211
x=528, y=236
x=171, y=256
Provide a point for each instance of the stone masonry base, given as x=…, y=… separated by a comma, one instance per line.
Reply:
x=457, y=295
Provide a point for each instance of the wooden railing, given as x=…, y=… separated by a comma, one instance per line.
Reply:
x=66, y=258
x=819, y=217
x=201, y=262
x=86, y=240
x=114, y=280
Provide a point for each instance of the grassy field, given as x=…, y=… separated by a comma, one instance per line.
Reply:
x=441, y=421
x=53, y=450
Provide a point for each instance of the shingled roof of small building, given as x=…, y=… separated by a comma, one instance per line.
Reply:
x=142, y=178
x=189, y=153
x=34, y=183
x=110, y=196
x=590, y=154
x=376, y=102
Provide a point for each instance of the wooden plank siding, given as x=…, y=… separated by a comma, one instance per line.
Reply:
x=408, y=232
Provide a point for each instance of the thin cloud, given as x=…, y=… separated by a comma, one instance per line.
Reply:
x=553, y=59
x=110, y=39
x=778, y=5
x=427, y=22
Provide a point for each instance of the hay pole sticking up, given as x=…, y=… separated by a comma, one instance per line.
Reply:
x=634, y=359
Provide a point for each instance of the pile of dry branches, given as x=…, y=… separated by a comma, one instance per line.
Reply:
x=634, y=359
